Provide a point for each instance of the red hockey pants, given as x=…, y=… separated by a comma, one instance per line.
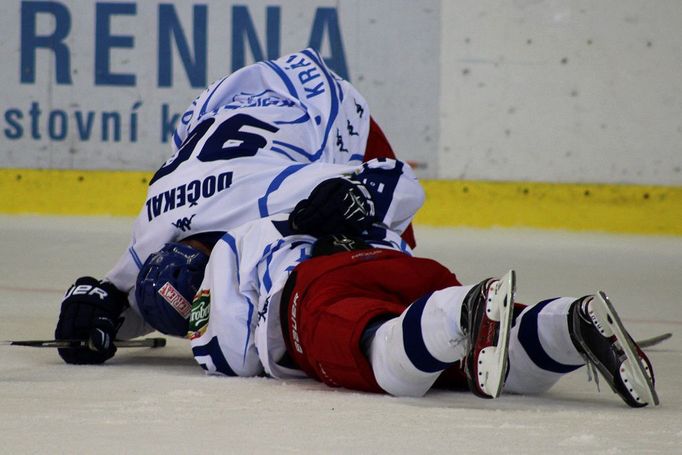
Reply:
x=335, y=297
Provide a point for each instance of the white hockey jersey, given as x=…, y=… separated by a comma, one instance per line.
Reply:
x=235, y=323
x=252, y=145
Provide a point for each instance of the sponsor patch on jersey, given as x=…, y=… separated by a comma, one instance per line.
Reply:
x=264, y=98
x=175, y=299
x=198, y=318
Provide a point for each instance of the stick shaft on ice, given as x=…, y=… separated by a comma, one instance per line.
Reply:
x=73, y=344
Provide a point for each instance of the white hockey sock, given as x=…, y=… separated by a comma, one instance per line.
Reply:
x=408, y=353
x=540, y=347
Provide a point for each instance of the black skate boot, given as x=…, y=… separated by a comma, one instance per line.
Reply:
x=486, y=320
x=601, y=338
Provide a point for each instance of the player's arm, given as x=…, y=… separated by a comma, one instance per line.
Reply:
x=95, y=310
x=90, y=311
x=224, y=314
x=147, y=238
x=100, y=311
x=379, y=147
x=382, y=191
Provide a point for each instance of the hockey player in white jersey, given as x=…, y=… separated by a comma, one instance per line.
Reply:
x=252, y=145
x=358, y=311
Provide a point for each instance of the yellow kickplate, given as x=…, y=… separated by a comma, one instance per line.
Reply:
x=67, y=192
x=579, y=207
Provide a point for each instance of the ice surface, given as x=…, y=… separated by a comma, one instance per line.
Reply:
x=159, y=401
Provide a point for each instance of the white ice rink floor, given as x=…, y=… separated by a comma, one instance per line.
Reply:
x=159, y=401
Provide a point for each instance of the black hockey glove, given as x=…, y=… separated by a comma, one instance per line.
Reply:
x=335, y=206
x=90, y=311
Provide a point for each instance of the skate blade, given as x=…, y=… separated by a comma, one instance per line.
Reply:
x=633, y=371
x=493, y=360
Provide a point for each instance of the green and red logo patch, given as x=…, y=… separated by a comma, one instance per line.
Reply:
x=198, y=317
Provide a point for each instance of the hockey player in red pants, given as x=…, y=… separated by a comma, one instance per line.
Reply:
x=251, y=145
x=328, y=293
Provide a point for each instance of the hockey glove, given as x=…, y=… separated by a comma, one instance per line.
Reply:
x=335, y=206
x=90, y=311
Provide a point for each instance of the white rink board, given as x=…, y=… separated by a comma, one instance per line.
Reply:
x=566, y=90
x=160, y=401
x=124, y=59
x=570, y=91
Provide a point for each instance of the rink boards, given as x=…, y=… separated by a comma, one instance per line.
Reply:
x=641, y=209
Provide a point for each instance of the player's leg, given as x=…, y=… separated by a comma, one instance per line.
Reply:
x=557, y=336
x=334, y=299
x=541, y=350
x=469, y=323
x=408, y=353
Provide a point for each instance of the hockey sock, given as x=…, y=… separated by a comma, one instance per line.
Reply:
x=540, y=348
x=409, y=352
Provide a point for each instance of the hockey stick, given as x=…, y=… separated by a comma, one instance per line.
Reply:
x=653, y=341
x=72, y=344
x=161, y=342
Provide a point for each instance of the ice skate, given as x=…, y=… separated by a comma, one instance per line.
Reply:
x=601, y=338
x=486, y=319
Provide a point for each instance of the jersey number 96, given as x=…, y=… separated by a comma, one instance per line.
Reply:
x=226, y=142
